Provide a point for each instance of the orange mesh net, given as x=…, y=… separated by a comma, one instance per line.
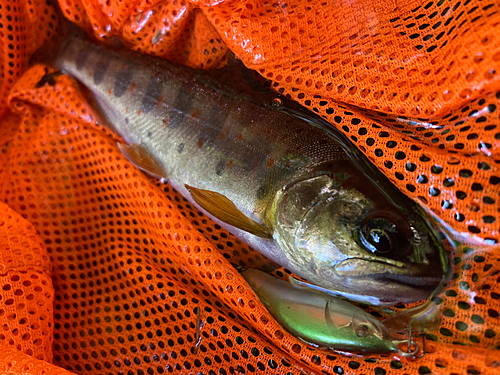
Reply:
x=106, y=271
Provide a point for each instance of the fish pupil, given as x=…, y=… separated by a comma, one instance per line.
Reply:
x=380, y=239
x=382, y=236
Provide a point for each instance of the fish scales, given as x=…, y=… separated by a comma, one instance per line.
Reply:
x=202, y=132
x=281, y=185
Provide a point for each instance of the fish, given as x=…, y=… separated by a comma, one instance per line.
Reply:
x=321, y=320
x=253, y=163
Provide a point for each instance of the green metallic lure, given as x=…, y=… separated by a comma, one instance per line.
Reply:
x=320, y=319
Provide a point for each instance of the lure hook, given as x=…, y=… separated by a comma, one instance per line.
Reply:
x=408, y=352
x=410, y=343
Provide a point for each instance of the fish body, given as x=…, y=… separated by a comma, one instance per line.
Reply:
x=286, y=188
x=320, y=319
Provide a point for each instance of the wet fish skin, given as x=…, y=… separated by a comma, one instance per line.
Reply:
x=291, y=178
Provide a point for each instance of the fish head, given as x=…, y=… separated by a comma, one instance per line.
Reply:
x=345, y=236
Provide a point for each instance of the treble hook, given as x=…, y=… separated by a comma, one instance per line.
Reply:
x=423, y=341
x=411, y=343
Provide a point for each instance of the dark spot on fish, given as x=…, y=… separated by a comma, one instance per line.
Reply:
x=100, y=70
x=48, y=79
x=150, y=134
x=122, y=81
x=180, y=148
x=126, y=120
x=81, y=58
x=220, y=167
x=261, y=191
x=152, y=94
x=217, y=120
x=179, y=110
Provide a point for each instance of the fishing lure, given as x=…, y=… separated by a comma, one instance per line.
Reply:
x=323, y=320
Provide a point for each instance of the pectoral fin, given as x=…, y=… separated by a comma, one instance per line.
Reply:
x=142, y=159
x=223, y=209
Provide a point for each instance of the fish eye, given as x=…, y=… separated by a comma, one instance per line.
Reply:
x=380, y=239
x=382, y=236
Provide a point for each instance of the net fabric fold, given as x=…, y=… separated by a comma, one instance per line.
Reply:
x=24, y=27
x=131, y=269
x=133, y=263
x=27, y=295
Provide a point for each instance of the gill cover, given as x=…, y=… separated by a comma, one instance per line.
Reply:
x=305, y=216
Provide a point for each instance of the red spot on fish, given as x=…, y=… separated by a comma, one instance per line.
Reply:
x=201, y=142
x=165, y=122
x=223, y=134
x=240, y=137
x=110, y=91
x=195, y=113
x=139, y=112
x=126, y=110
x=268, y=130
x=133, y=85
x=123, y=66
x=159, y=101
x=230, y=164
x=270, y=162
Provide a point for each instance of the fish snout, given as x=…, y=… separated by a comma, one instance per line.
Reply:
x=391, y=282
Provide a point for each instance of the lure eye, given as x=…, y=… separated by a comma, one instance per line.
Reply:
x=364, y=330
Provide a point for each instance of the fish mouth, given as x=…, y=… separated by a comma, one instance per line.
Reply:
x=390, y=282
x=410, y=275
x=415, y=281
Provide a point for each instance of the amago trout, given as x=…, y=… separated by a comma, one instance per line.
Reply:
x=284, y=187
